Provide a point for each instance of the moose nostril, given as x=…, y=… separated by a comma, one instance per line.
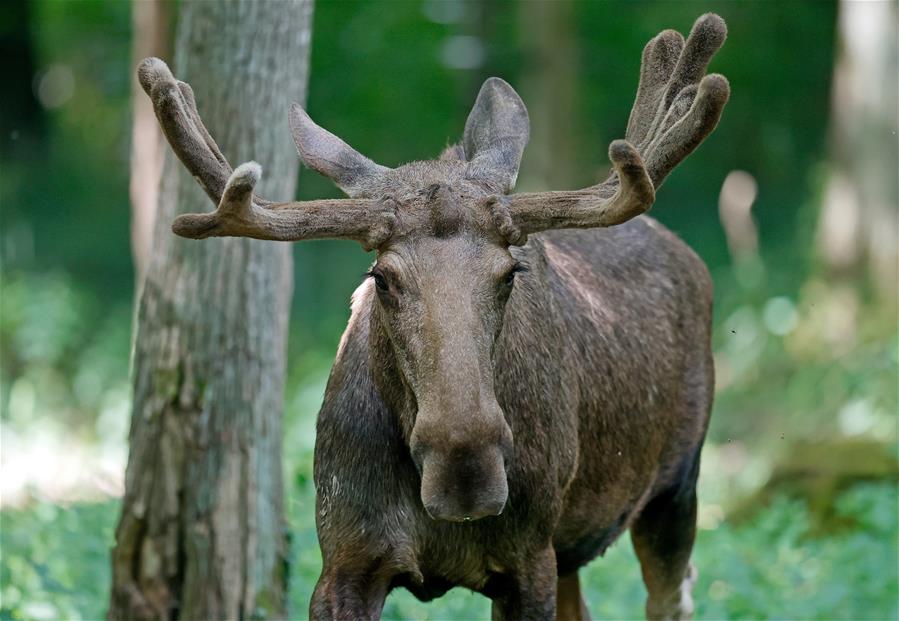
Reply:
x=447, y=512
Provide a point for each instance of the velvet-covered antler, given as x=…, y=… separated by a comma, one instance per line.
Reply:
x=239, y=212
x=675, y=109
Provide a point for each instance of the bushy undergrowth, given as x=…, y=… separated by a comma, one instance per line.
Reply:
x=54, y=565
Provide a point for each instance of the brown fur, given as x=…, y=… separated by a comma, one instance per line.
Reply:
x=603, y=372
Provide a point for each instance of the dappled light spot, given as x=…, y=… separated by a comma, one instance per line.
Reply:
x=55, y=86
x=780, y=316
x=462, y=52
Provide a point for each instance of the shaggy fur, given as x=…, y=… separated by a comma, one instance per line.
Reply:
x=604, y=374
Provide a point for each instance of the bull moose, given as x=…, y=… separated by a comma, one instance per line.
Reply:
x=524, y=377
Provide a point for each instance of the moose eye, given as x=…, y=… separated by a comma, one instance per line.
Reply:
x=380, y=281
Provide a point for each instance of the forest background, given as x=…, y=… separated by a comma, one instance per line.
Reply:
x=792, y=203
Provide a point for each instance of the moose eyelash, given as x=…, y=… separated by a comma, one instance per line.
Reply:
x=380, y=282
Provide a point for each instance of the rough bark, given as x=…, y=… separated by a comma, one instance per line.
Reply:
x=858, y=229
x=202, y=533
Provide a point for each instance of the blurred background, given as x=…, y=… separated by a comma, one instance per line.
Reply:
x=792, y=203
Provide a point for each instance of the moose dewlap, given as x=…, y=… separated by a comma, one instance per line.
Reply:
x=524, y=376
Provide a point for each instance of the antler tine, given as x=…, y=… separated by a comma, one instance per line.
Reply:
x=681, y=137
x=659, y=60
x=175, y=108
x=630, y=194
x=676, y=107
x=674, y=110
x=188, y=94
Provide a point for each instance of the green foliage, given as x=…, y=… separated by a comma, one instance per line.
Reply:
x=64, y=192
x=55, y=565
x=55, y=561
x=770, y=569
x=64, y=356
x=801, y=368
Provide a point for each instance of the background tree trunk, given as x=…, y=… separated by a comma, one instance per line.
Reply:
x=202, y=534
x=859, y=223
x=150, y=20
x=550, y=90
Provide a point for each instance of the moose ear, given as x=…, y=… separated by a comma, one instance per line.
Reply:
x=330, y=156
x=496, y=133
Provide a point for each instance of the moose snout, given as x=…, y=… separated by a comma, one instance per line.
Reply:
x=461, y=444
x=464, y=484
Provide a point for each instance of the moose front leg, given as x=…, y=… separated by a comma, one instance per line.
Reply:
x=530, y=593
x=349, y=594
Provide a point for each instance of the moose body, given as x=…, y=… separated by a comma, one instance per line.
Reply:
x=604, y=371
x=524, y=376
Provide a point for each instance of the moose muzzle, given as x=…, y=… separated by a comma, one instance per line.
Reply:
x=463, y=475
x=464, y=486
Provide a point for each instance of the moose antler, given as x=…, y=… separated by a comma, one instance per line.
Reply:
x=674, y=110
x=239, y=212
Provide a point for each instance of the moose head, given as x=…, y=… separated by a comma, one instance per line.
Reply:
x=446, y=233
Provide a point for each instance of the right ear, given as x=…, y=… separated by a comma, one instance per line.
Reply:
x=330, y=156
x=496, y=133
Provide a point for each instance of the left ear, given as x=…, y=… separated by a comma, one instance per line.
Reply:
x=496, y=133
x=327, y=154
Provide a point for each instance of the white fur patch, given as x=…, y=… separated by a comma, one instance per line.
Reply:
x=358, y=302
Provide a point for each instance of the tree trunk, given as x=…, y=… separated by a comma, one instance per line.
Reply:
x=858, y=229
x=150, y=37
x=547, y=29
x=202, y=533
